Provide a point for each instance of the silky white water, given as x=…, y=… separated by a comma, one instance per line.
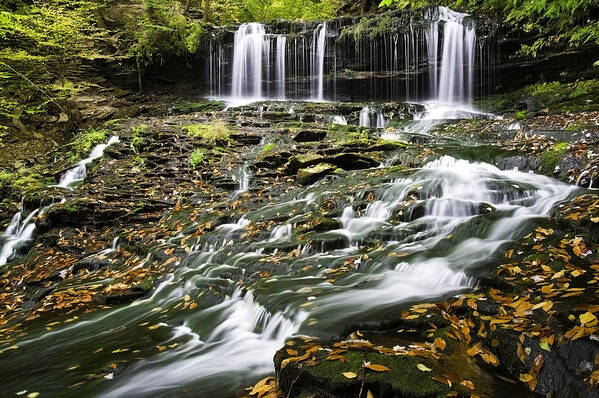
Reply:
x=78, y=173
x=226, y=340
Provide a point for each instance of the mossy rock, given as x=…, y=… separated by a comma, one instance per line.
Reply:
x=199, y=107
x=314, y=173
x=326, y=379
x=305, y=160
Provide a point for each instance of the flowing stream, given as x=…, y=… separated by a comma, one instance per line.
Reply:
x=420, y=235
x=399, y=237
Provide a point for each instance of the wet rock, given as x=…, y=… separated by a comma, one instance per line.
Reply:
x=324, y=378
x=301, y=161
x=310, y=135
x=521, y=162
x=128, y=111
x=91, y=264
x=352, y=161
x=246, y=138
x=80, y=212
x=278, y=116
x=314, y=173
x=325, y=224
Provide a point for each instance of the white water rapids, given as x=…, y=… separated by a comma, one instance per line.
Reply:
x=424, y=226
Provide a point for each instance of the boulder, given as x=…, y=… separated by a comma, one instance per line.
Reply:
x=301, y=161
x=312, y=174
x=352, y=161
x=310, y=135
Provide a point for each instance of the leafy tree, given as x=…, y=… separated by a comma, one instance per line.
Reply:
x=556, y=24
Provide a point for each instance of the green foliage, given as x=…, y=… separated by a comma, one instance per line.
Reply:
x=551, y=158
x=542, y=88
x=268, y=10
x=197, y=157
x=40, y=43
x=211, y=134
x=268, y=147
x=84, y=142
x=521, y=115
x=555, y=23
x=164, y=32
x=22, y=180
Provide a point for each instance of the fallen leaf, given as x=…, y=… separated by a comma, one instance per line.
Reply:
x=423, y=367
x=350, y=375
x=377, y=368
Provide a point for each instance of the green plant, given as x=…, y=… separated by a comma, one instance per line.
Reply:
x=268, y=147
x=84, y=142
x=197, y=157
x=521, y=115
x=211, y=134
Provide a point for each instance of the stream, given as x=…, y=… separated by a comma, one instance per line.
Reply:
x=406, y=236
x=398, y=236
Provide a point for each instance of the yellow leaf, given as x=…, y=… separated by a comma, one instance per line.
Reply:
x=525, y=377
x=350, y=375
x=439, y=343
x=587, y=317
x=377, y=368
x=423, y=367
x=474, y=349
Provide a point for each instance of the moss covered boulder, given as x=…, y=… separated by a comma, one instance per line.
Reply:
x=312, y=174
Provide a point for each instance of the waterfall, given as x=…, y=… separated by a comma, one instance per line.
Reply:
x=280, y=65
x=457, y=61
x=318, y=50
x=247, y=60
x=432, y=44
x=339, y=119
x=430, y=57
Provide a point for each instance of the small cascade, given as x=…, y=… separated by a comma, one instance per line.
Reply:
x=338, y=119
x=243, y=176
x=78, y=173
x=18, y=234
x=371, y=117
x=365, y=117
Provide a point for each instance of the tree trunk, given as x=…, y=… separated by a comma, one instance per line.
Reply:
x=206, y=10
x=139, y=74
x=187, y=7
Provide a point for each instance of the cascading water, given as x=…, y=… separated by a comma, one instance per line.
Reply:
x=78, y=173
x=280, y=67
x=457, y=62
x=427, y=229
x=18, y=234
x=372, y=117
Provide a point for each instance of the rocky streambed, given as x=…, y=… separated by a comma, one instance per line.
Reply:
x=211, y=241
